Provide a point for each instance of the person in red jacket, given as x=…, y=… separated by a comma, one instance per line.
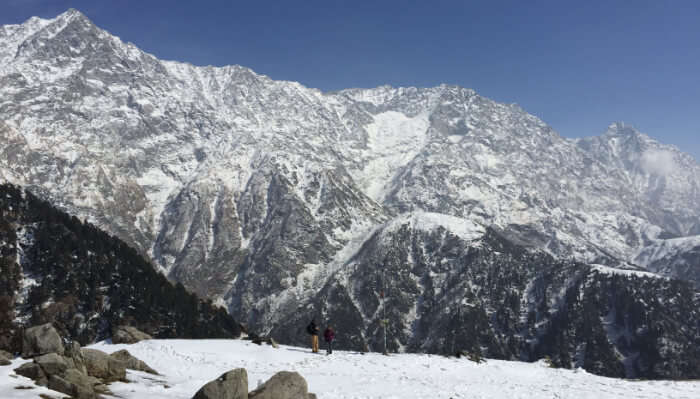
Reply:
x=328, y=336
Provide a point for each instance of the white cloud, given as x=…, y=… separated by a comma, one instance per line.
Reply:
x=658, y=162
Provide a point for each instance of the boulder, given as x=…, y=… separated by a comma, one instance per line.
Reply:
x=132, y=362
x=102, y=388
x=231, y=385
x=272, y=342
x=6, y=354
x=128, y=335
x=33, y=371
x=283, y=385
x=40, y=340
x=52, y=364
x=74, y=357
x=103, y=366
x=57, y=383
x=76, y=377
x=75, y=384
x=4, y=361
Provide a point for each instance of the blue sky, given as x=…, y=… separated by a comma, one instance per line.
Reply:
x=577, y=65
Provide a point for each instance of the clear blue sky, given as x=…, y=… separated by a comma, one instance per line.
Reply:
x=578, y=65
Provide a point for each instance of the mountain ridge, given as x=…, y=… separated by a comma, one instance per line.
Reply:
x=183, y=72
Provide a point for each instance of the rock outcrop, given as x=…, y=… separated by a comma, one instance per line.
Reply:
x=32, y=371
x=5, y=358
x=74, y=357
x=103, y=366
x=128, y=335
x=132, y=362
x=76, y=384
x=79, y=372
x=52, y=363
x=40, y=340
x=283, y=385
x=230, y=385
x=234, y=385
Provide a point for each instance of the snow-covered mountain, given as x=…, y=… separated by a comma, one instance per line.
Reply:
x=268, y=196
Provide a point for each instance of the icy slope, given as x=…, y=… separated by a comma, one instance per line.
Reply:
x=187, y=365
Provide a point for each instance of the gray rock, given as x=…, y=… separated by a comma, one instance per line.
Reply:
x=76, y=377
x=32, y=371
x=132, y=362
x=128, y=335
x=6, y=354
x=4, y=361
x=231, y=385
x=52, y=363
x=57, y=383
x=74, y=357
x=74, y=383
x=101, y=388
x=283, y=385
x=101, y=365
x=40, y=340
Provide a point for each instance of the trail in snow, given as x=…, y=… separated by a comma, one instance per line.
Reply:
x=186, y=365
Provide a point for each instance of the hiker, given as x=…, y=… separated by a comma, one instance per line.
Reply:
x=312, y=329
x=328, y=336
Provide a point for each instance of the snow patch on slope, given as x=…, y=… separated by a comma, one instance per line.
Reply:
x=393, y=139
x=430, y=221
x=622, y=272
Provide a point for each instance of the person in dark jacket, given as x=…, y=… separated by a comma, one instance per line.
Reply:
x=328, y=336
x=313, y=330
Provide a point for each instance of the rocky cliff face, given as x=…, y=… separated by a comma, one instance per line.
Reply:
x=263, y=194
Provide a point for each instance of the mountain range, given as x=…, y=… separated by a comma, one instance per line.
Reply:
x=280, y=202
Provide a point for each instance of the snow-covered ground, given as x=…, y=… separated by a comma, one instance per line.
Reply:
x=186, y=365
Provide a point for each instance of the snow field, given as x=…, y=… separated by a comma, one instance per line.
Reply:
x=186, y=365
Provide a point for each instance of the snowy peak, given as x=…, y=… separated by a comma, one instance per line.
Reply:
x=71, y=25
x=622, y=129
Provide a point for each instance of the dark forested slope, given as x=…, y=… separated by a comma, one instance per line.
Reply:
x=55, y=268
x=488, y=296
